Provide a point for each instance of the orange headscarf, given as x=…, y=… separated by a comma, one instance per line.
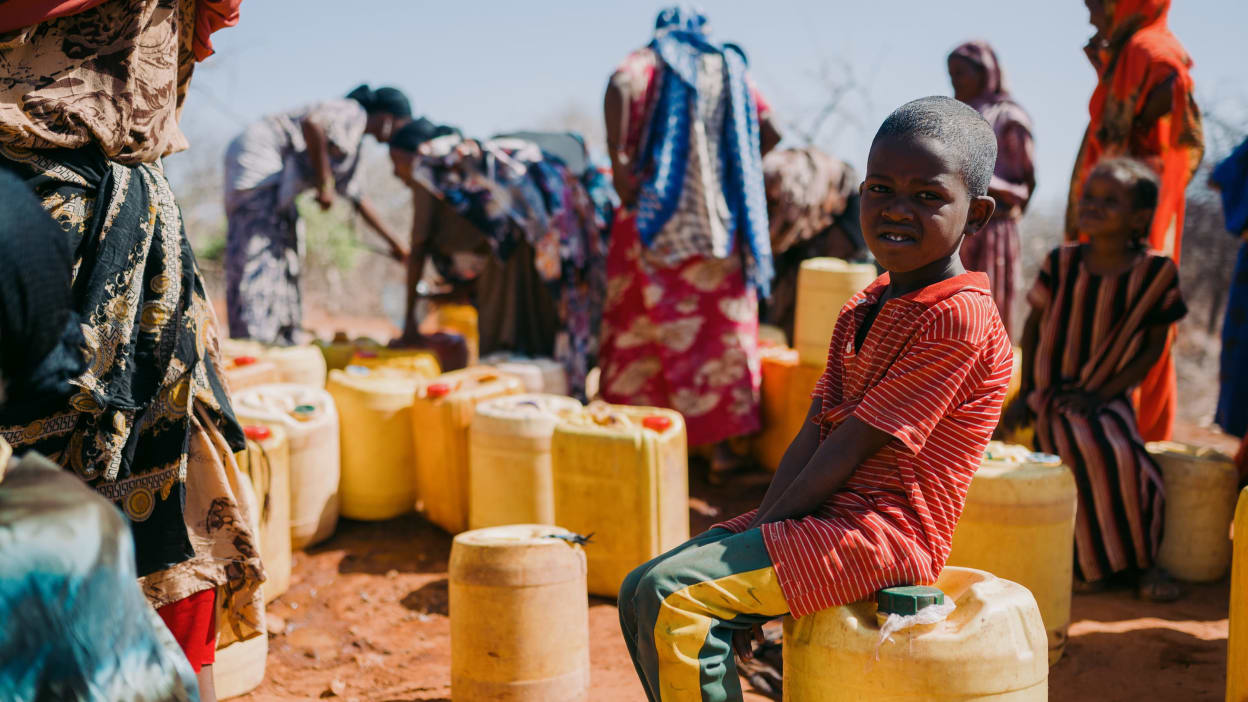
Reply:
x=1141, y=53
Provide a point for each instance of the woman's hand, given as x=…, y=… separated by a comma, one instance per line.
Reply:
x=743, y=641
x=1017, y=415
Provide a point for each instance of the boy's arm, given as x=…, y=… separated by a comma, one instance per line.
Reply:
x=851, y=443
x=795, y=458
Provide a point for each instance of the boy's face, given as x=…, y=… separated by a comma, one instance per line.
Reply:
x=915, y=205
x=1106, y=210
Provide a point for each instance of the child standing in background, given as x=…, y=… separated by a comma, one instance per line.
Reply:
x=1101, y=313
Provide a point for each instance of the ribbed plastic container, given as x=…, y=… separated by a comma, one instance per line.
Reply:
x=246, y=372
x=622, y=474
x=1019, y=524
x=309, y=418
x=1200, y=505
x=301, y=365
x=462, y=320
x=375, y=406
x=239, y=667
x=266, y=461
x=442, y=414
x=824, y=285
x=509, y=476
x=519, y=616
x=423, y=363
x=539, y=375
x=1237, y=646
x=780, y=417
x=991, y=647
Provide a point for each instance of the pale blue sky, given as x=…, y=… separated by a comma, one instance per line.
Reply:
x=495, y=66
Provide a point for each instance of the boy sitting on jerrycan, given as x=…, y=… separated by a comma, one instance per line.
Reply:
x=869, y=492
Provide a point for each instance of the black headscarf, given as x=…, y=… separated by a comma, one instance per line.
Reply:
x=417, y=132
x=388, y=100
x=41, y=340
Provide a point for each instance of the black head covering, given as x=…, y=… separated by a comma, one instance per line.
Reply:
x=417, y=132
x=389, y=100
x=41, y=340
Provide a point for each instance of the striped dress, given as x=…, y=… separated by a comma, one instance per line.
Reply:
x=1091, y=327
x=932, y=371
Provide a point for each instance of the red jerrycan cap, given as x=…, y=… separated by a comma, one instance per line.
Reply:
x=257, y=432
x=240, y=361
x=436, y=390
x=366, y=354
x=657, y=422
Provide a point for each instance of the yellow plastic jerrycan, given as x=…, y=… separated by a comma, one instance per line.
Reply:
x=298, y=365
x=420, y=362
x=519, y=616
x=1237, y=646
x=622, y=474
x=441, y=416
x=509, y=475
x=462, y=320
x=1019, y=524
x=375, y=406
x=780, y=418
x=991, y=647
x=246, y=372
x=239, y=665
x=308, y=416
x=1200, y=504
x=824, y=285
x=539, y=375
x=266, y=461
x=339, y=350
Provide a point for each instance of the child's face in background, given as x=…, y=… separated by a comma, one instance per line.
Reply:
x=1106, y=211
x=915, y=204
x=969, y=81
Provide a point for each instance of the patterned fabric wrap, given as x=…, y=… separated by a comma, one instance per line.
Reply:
x=514, y=192
x=76, y=627
x=113, y=74
x=680, y=42
x=682, y=336
x=146, y=319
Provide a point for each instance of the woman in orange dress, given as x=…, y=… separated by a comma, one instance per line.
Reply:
x=1143, y=107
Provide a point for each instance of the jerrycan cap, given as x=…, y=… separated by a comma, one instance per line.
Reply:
x=657, y=422
x=240, y=361
x=257, y=432
x=908, y=599
x=304, y=412
x=358, y=370
x=437, y=390
x=364, y=353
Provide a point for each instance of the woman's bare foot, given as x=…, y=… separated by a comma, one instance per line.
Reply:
x=1085, y=587
x=1156, y=585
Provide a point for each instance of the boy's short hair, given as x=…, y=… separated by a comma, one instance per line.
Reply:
x=956, y=125
x=1142, y=181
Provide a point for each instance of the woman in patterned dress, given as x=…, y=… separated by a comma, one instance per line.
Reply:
x=690, y=249
x=149, y=424
x=316, y=147
x=979, y=81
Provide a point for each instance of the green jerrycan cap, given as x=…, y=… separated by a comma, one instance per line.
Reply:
x=908, y=599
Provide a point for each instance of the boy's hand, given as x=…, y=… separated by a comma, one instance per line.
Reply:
x=743, y=641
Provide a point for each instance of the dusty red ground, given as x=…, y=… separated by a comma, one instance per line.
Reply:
x=366, y=619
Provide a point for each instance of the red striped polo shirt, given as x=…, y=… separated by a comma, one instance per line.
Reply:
x=932, y=372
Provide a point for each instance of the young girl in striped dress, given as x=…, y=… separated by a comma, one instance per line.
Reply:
x=1101, y=313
